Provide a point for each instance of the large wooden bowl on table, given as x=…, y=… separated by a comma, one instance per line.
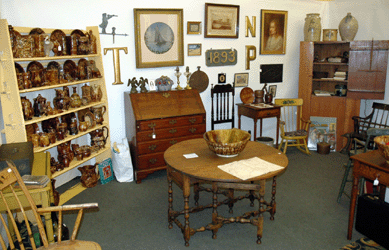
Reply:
x=227, y=142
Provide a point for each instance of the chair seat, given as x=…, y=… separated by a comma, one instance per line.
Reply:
x=74, y=245
x=300, y=132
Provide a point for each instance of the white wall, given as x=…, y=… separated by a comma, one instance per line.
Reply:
x=71, y=14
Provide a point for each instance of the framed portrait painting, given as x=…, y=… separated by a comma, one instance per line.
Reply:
x=241, y=79
x=221, y=21
x=159, y=37
x=273, y=31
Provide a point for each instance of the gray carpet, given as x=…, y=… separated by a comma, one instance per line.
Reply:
x=134, y=216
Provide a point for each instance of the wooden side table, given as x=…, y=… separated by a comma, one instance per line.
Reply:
x=370, y=165
x=256, y=112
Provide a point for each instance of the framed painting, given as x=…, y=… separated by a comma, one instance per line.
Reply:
x=159, y=38
x=241, y=79
x=221, y=21
x=193, y=28
x=273, y=90
x=194, y=49
x=273, y=32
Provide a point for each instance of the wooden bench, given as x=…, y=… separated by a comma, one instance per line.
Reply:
x=378, y=118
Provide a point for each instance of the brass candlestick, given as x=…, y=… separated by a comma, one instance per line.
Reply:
x=187, y=74
x=178, y=74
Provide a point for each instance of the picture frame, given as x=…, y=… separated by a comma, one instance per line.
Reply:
x=221, y=21
x=159, y=38
x=193, y=28
x=241, y=79
x=106, y=171
x=194, y=49
x=273, y=90
x=273, y=32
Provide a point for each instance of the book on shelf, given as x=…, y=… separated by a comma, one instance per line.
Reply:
x=322, y=93
x=35, y=181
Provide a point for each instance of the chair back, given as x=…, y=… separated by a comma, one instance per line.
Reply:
x=291, y=113
x=12, y=200
x=222, y=110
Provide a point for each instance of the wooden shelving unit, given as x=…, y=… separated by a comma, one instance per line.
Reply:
x=14, y=123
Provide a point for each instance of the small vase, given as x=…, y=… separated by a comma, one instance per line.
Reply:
x=348, y=28
x=312, y=28
x=75, y=100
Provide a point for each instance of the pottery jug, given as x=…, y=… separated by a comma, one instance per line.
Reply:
x=39, y=105
x=88, y=175
x=28, y=112
x=97, y=94
x=312, y=28
x=75, y=100
x=26, y=81
x=64, y=148
x=98, y=138
x=86, y=94
x=98, y=113
x=60, y=101
x=348, y=28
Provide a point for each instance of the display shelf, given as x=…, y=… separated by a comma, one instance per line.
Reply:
x=75, y=163
x=10, y=96
x=329, y=80
x=56, y=86
x=330, y=64
x=68, y=138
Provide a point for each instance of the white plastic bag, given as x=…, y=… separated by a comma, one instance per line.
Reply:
x=121, y=162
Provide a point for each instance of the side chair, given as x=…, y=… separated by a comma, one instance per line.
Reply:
x=366, y=144
x=9, y=176
x=222, y=110
x=294, y=129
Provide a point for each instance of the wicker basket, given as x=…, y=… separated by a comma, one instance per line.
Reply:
x=381, y=141
x=227, y=142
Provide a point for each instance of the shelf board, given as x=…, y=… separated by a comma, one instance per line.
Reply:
x=56, y=85
x=330, y=80
x=70, y=110
x=328, y=63
x=75, y=163
x=68, y=138
x=28, y=59
x=70, y=193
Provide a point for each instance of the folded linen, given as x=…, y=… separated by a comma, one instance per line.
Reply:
x=246, y=169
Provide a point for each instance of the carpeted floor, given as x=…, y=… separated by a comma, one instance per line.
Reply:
x=134, y=216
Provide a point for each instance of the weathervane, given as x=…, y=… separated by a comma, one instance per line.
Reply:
x=104, y=25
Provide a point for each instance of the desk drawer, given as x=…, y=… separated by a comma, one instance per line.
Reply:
x=151, y=161
x=161, y=145
x=170, y=132
x=170, y=122
x=269, y=113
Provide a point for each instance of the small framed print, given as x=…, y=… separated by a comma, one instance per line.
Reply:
x=241, y=79
x=273, y=90
x=221, y=78
x=193, y=28
x=152, y=86
x=194, y=49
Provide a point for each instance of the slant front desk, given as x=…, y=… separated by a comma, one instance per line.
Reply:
x=157, y=120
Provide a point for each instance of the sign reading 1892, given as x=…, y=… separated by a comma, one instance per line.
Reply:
x=221, y=57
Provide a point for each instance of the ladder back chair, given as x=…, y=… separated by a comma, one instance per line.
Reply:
x=370, y=133
x=294, y=129
x=222, y=110
x=8, y=178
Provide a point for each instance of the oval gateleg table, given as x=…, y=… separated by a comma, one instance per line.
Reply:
x=203, y=169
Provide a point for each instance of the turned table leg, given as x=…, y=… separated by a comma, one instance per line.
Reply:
x=261, y=210
x=186, y=193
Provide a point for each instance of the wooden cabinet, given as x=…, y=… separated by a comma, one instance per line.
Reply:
x=366, y=76
x=14, y=123
x=157, y=120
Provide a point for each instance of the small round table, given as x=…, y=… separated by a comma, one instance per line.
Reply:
x=204, y=169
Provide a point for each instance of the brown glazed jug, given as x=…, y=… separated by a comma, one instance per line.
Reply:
x=28, y=111
x=98, y=113
x=98, y=138
x=88, y=175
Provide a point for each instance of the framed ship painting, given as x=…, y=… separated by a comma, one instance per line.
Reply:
x=158, y=37
x=221, y=21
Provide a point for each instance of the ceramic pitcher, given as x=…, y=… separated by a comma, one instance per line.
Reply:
x=98, y=113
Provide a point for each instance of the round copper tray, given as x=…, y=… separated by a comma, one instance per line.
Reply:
x=199, y=80
x=247, y=95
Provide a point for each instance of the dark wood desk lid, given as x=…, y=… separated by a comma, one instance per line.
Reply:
x=156, y=105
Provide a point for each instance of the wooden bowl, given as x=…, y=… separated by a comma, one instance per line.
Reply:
x=227, y=142
x=381, y=141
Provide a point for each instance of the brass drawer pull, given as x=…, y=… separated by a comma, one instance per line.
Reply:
x=153, y=160
x=172, y=131
x=152, y=125
x=172, y=122
x=173, y=142
x=192, y=130
x=152, y=147
x=192, y=120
